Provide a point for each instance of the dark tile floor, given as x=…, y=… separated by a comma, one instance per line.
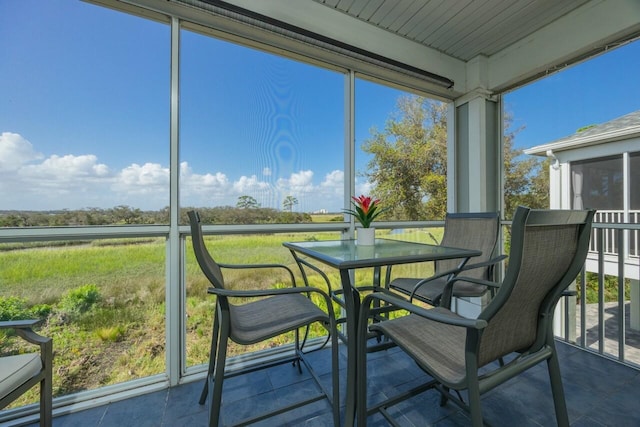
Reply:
x=599, y=392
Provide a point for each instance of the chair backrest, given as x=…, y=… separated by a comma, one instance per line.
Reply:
x=548, y=249
x=209, y=267
x=478, y=230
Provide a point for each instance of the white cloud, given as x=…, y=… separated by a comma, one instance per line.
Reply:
x=334, y=180
x=28, y=180
x=15, y=151
x=249, y=184
x=142, y=179
x=298, y=183
x=203, y=189
x=67, y=168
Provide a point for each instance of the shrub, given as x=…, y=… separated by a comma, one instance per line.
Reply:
x=14, y=308
x=80, y=300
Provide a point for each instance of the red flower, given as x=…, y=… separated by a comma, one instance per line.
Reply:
x=365, y=210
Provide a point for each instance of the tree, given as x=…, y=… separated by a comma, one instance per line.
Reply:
x=526, y=178
x=123, y=214
x=288, y=203
x=409, y=165
x=247, y=202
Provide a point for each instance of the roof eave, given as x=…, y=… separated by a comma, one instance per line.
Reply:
x=579, y=142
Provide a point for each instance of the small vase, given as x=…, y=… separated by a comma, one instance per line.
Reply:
x=366, y=236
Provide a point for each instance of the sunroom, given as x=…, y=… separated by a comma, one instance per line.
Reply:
x=162, y=106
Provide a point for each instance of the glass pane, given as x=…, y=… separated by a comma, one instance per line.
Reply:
x=401, y=151
x=261, y=137
x=102, y=302
x=597, y=183
x=84, y=108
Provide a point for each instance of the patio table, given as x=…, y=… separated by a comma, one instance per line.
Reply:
x=346, y=255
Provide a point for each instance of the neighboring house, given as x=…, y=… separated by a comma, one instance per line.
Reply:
x=599, y=168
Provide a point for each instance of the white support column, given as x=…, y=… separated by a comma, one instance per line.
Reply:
x=560, y=198
x=474, y=157
x=555, y=183
x=477, y=154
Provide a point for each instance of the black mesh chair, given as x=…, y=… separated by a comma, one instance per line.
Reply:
x=548, y=250
x=274, y=312
x=21, y=372
x=478, y=230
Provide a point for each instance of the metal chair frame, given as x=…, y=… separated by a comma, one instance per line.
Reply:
x=472, y=364
x=223, y=331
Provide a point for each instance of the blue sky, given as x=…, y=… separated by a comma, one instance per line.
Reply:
x=84, y=113
x=593, y=92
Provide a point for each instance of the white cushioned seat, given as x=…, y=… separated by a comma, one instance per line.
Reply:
x=15, y=370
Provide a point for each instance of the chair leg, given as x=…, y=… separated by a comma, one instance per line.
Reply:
x=335, y=374
x=212, y=359
x=46, y=406
x=557, y=391
x=218, y=380
x=298, y=349
x=46, y=386
x=361, y=374
x=443, y=397
x=474, y=404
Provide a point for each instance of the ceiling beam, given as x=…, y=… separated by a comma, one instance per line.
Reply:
x=587, y=31
x=336, y=25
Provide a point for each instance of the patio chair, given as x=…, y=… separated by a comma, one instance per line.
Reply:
x=548, y=249
x=21, y=372
x=271, y=312
x=478, y=231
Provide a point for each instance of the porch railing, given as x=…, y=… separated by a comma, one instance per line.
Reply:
x=606, y=318
x=610, y=242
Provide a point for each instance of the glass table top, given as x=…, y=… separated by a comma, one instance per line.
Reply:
x=347, y=254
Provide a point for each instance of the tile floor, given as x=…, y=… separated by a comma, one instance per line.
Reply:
x=599, y=392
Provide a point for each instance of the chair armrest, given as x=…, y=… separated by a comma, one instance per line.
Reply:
x=455, y=271
x=569, y=293
x=488, y=283
x=24, y=330
x=429, y=279
x=436, y=276
x=16, y=324
x=437, y=315
x=251, y=266
x=388, y=274
x=447, y=292
x=489, y=262
x=230, y=293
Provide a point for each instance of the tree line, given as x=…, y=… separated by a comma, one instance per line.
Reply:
x=126, y=215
